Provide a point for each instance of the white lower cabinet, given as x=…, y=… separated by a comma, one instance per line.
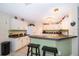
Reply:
x=18, y=43
x=24, y=40
x=14, y=44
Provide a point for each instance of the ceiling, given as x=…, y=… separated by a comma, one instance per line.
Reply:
x=32, y=12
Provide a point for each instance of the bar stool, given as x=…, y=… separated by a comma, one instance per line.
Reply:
x=49, y=49
x=32, y=46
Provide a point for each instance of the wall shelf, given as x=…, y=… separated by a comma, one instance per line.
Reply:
x=60, y=31
x=17, y=30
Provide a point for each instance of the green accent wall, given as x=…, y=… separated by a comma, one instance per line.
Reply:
x=64, y=46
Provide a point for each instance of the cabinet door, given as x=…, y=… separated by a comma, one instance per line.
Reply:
x=14, y=44
x=20, y=43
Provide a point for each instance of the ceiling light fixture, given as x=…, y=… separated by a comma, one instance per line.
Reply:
x=56, y=9
x=31, y=25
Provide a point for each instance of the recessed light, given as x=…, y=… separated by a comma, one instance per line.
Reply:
x=22, y=19
x=15, y=17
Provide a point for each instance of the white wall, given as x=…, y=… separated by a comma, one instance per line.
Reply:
x=74, y=31
x=78, y=30
x=4, y=27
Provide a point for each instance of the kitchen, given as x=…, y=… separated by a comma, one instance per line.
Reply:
x=53, y=25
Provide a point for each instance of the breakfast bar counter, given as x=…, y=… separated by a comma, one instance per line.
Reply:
x=60, y=37
x=62, y=43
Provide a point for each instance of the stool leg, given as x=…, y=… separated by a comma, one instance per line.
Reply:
x=28, y=51
x=44, y=53
x=31, y=51
x=36, y=52
x=54, y=54
x=39, y=51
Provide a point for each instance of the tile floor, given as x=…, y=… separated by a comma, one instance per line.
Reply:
x=22, y=52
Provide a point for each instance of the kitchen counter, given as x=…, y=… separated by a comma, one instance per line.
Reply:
x=60, y=37
x=62, y=43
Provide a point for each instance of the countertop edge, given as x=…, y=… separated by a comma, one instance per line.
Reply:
x=68, y=37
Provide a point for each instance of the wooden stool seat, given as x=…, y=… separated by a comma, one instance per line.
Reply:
x=49, y=49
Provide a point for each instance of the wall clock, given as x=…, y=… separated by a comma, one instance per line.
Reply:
x=73, y=23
